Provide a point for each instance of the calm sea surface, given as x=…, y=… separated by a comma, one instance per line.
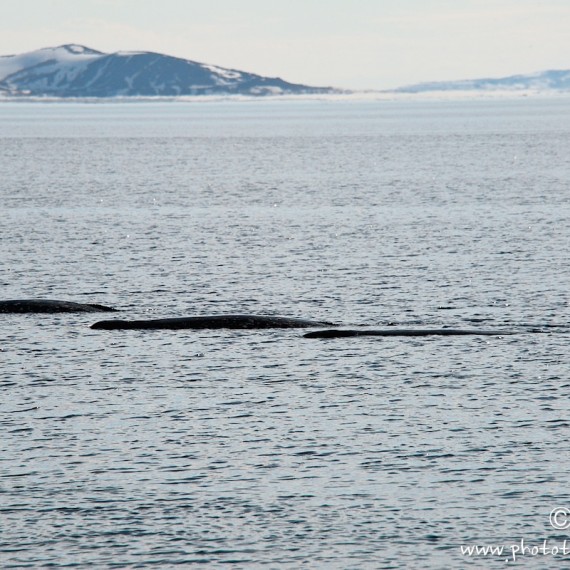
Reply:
x=262, y=449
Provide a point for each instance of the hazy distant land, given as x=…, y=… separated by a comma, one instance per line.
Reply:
x=75, y=71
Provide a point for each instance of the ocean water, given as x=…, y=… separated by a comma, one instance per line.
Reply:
x=262, y=449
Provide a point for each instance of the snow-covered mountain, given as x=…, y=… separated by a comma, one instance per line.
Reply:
x=557, y=80
x=77, y=71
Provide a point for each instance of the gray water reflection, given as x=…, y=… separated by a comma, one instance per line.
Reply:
x=260, y=448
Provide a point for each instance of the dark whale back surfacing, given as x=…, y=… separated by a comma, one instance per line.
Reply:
x=340, y=333
x=212, y=322
x=50, y=306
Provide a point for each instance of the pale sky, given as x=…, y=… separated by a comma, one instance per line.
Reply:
x=353, y=44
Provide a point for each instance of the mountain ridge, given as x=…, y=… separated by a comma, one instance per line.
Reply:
x=77, y=71
x=73, y=70
x=550, y=80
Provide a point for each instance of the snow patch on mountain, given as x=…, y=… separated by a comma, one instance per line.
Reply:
x=65, y=54
x=222, y=72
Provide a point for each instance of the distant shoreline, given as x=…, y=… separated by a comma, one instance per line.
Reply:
x=353, y=96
